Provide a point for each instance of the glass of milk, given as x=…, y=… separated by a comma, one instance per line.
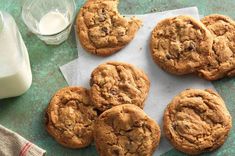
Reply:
x=50, y=20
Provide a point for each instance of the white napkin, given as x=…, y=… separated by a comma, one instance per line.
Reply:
x=164, y=86
x=12, y=144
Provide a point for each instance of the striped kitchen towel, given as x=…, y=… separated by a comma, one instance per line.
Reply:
x=12, y=144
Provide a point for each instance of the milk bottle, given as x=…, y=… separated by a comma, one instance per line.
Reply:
x=15, y=71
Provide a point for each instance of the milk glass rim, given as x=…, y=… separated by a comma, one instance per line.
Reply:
x=27, y=4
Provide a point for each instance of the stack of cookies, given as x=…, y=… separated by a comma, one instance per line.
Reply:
x=179, y=45
x=110, y=112
x=183, y=45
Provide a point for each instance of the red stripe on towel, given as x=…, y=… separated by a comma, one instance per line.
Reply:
x=26, y=149
x=23, y=148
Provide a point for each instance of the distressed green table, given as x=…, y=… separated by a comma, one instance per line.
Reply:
x=25, y=114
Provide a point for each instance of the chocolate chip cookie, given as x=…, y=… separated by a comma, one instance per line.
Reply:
x=102, y=30
x=222, y=60
x=70, y=117
x=197, y=121
x=116, y=83
x=180, y=45
x=126, y=130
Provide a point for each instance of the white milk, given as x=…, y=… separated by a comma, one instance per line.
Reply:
x=15, y=71
x=52, y=23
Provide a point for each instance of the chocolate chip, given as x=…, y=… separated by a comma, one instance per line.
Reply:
x=102, y=18
x=168, y=56
x=113, y=92
x=191, y=46
x=105, y=29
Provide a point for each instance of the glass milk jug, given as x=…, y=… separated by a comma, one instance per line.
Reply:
x=15, y=71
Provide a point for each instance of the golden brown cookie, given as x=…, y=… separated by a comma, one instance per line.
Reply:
x=70, y=117
x=222, y=60
x=126, y=130
x=102, y=30
x=116, y=83
x=180, y=44
x=197, y=121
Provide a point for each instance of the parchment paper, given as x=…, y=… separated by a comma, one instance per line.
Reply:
x=164, y=86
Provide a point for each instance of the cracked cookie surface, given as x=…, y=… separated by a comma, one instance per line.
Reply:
x=180, y=45
x=116, y=83
x=102, y=30
x=126, y=130
x=222, y=60
x=70, y=117
x=197, y=121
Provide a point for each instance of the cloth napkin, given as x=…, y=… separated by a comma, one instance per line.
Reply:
x=12, y=144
